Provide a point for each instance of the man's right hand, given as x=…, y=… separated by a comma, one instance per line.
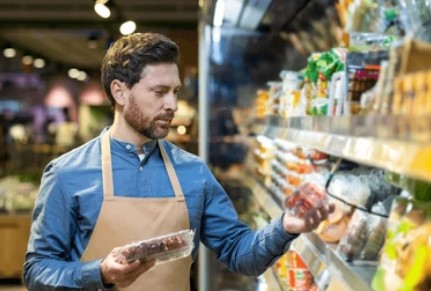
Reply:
x=122, y=275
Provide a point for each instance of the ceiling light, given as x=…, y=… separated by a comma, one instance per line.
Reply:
x=27, y=60
x=101, y=9
x=9, y=52
x=73, y=73
x=219, y=13
x=82, y=76
x=39, y=63
x=127, y=27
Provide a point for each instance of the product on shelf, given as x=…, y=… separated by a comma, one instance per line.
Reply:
x=350, y=188
x=162, y=249
x=353, y=241
x=416, y=18
x=332, y=229
x=376, y=234
x=261, y=103
x=405, y=263
x=319, y=71
x=293, y=273
x=274, y=97
x=263, y=155
x=290, y=102
x=305, y=198
x=412, y=94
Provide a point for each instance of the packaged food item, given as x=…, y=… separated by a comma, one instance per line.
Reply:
x=405, y=262
x=293, y=272
x=305, y=198
x=166, y=248
x=333, y=228
x=353, y=241
x=376, y=234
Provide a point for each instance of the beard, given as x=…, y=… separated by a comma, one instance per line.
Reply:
x=146, y=126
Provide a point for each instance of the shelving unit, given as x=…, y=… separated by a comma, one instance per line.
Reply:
x=328, y=269
x=398, y=144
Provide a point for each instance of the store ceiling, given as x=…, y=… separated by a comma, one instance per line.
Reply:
x=60, y=29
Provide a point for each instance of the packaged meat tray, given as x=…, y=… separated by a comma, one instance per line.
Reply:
x=166, y=248
x=305, y=198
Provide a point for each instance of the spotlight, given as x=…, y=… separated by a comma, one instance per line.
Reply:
x=128, y=27
x=102, y=9
x=9, y=52
x=27, y=60
x=39, y=63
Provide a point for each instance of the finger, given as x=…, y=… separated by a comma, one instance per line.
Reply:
x=323, y=212
x=128, y=278
x=144, y=266
x=119, y=272
x=314, y=219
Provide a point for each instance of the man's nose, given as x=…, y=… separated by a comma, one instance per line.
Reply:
x=171, y=102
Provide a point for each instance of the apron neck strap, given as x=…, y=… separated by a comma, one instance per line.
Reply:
x=171, y=171
x=108, y=181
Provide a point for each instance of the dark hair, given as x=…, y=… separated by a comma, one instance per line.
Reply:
x=128, y=56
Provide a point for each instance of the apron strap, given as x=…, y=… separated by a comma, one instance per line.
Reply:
x=171, y=172
x=108, y=182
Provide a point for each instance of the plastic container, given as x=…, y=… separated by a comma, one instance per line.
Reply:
x=166, y=248
x=305, y=198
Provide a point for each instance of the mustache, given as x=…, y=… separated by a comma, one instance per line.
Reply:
x=166, y=116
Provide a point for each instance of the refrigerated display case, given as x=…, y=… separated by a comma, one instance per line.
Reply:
x=242, y=72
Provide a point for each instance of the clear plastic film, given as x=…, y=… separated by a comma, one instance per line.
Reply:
x=166, y=248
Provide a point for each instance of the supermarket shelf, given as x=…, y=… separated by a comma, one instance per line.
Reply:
x=398, y=144
x=325, y=265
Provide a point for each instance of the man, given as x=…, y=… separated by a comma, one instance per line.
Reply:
x=129, y=184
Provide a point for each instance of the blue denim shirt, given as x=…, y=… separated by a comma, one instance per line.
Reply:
x=70, y=199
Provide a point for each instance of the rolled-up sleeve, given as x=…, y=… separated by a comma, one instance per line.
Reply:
x=48, y=264
x=241, y=249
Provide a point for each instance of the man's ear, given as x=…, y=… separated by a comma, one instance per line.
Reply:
x=117, y=91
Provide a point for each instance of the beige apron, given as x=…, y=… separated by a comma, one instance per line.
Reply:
x=123, y=220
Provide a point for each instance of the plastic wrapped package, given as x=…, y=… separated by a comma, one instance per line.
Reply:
x=305, y=198
x=290, y=104
x=416, y=18
x=376, y=234
x=350, y=188
x=166, y=248
x=353, y=241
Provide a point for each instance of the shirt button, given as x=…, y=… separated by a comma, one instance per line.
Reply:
x=128, y=147
x=141, y=168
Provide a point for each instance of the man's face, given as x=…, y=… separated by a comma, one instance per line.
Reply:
x=152, y=101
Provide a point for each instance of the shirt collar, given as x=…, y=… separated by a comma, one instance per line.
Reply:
x=147, y=148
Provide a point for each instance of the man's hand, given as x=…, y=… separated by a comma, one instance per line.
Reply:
x=309, y=222
x=122, y=275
